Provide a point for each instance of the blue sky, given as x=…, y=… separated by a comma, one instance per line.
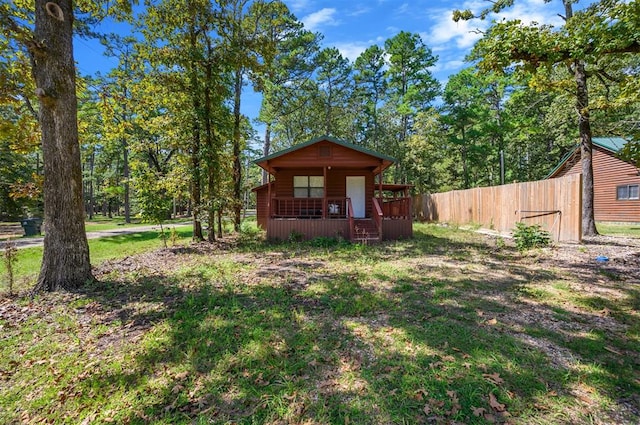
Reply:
x=354, y=25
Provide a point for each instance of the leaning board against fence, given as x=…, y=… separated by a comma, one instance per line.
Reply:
x=554, y=204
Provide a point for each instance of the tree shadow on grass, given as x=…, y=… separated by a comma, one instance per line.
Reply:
x=335, y=348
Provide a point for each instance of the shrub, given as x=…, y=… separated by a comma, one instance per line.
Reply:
x=532, y=236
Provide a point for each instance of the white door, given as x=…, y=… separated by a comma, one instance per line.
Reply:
x=356, y=191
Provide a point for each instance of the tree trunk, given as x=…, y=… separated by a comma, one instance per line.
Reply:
x=196, y=183
x=586, y=148
x=125, y=176
x=237, y=163
x=212, y=154
x=266, y=149
x=65, y=261
x=92, y=201
x=586, y=145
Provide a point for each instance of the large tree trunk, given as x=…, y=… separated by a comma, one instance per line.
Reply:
x=586, y=147
x=65, y=262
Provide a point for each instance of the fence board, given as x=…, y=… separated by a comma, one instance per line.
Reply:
x=554, y=204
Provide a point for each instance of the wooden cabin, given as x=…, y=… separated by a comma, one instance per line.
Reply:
x=331, y=188
x=615, y=182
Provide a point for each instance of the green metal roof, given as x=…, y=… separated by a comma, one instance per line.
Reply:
x=612, y=144
x=329, y=139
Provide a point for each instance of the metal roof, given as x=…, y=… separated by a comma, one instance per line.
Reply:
x=612, y=144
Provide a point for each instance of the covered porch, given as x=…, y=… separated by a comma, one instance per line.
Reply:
x=387, y=215
x=330, y=188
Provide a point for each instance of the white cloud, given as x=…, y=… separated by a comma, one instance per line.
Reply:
x=452, y=65
x=323, y=17
x=352, y=50
x=360, y=10
x=404, y=7
x=445, y=31
x=298, y=6
x=446, y=34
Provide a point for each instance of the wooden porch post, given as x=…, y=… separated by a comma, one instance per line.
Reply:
x=324, y=194
x=269, y=213
x=380, y=183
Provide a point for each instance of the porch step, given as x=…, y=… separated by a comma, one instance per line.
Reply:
x=365, y=231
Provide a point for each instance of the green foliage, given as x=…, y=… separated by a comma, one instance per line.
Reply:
x=530, y=236
x=295, y=237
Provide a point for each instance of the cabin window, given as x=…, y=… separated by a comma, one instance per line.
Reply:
x=308, y=186
x=628, y=191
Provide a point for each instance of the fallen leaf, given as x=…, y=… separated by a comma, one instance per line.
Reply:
x=182, y=375
x=436, y=403
x=490, y=418
x=478, y=411
x=426, y=409
x=493, y=378
x=493, y=402
x=420, y=394
x=492, y=322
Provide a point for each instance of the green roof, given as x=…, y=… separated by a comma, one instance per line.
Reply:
x=329, y=139
x=612, y=144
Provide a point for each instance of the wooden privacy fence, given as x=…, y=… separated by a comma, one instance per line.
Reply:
x=554, y=204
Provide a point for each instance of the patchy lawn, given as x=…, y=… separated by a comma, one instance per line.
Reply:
x=450, y=327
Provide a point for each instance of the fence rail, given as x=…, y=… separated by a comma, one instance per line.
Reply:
x=554, y=204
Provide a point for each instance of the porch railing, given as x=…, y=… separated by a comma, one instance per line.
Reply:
x=377, y=216
x=351, y=219
x=308, y=207
x=396, y=208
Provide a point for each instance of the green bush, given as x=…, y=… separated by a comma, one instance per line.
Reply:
x=532, y=236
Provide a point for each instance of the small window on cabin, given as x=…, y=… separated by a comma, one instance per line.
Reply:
x=324, y=151
x=308, y=186
x=628, y=191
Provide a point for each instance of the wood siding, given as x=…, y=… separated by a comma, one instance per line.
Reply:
x=554, y=204
x=336, y=185
x=281, y=229
x=262, y=207
x=397, y=229
x=315, y=156
x=609, y=172
x=311, y=217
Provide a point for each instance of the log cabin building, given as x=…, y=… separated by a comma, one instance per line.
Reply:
x=616, y=182
x=327, y=187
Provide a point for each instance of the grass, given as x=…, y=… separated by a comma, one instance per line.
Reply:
x=619, y=229
x=429, y=330
x=28, y=260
